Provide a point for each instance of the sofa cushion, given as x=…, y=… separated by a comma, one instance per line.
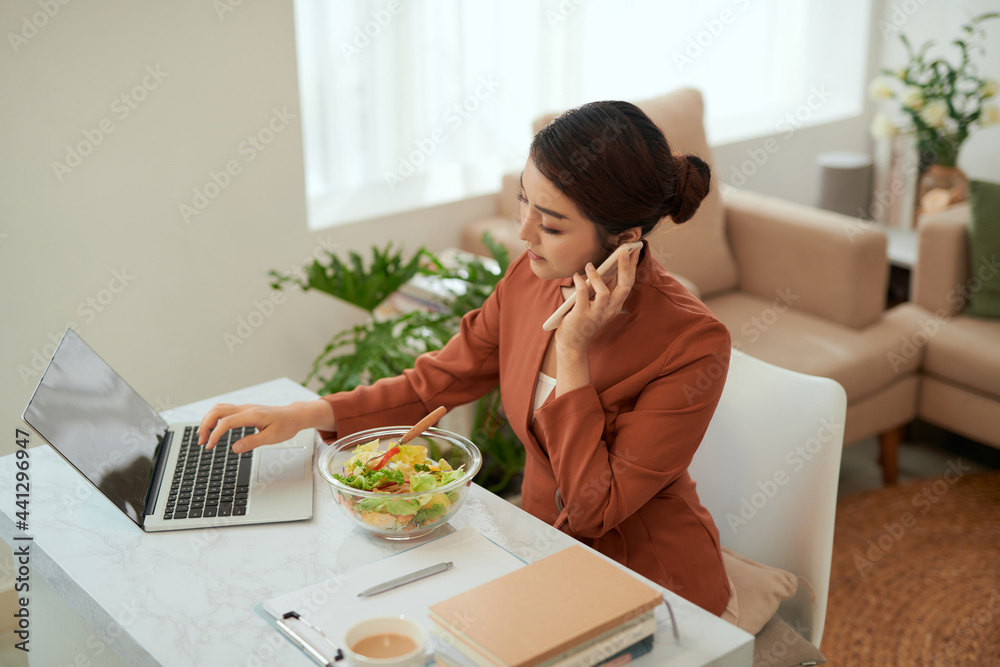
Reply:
x=984, y=247
x=966, y=351
x=863, y=361
x=697, y=249
x=755, y=591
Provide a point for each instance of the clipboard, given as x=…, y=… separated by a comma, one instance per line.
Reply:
x=317, y=615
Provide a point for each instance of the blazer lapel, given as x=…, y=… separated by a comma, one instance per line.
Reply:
x=525, y=352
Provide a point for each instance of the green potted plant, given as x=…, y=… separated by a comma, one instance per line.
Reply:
x=939, y=103
x=389, y=342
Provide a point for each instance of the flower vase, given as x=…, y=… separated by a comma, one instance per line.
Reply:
x=941, y=187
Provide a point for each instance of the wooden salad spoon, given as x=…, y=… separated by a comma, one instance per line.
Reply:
x=376, y=463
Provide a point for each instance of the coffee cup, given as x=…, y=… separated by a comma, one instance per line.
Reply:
x=385, y=641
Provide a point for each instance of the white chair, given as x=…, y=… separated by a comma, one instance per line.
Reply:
x=767, y=469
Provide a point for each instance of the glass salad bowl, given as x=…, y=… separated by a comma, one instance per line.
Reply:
x=400, y=492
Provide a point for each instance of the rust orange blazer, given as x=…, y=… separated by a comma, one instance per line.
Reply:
x=618, y=449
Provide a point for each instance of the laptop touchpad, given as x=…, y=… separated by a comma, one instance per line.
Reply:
x=281, y=465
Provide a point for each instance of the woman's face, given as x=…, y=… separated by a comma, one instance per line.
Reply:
x=559, y=239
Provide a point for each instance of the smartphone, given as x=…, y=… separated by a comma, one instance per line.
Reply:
x=612, y=261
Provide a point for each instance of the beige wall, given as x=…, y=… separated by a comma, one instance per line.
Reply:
x=104, y=243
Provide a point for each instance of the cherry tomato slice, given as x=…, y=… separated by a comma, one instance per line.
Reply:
x=386, y=458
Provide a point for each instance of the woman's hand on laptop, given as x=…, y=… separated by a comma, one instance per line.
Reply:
x=274, y=423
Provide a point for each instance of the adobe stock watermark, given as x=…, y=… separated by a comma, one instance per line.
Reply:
x=454, y=116
x=900, y=14
x=263, y=654
x=223, y=7
x=911, y=345
x=249, y=149
x=964, y=636
x=882, y=201
x=753, y=329
x=121, y=108
x=363, y=35
x=31, y=24
x=99, y=643
x=764, y=656
x=562, y=12
x=88, y=309
x=788, y=124
x=581, y=158
x=589, y=504
x=264, y=309
x=796, y=459
x=757, y=325
x=893, y=532
x=458, y=624
x=711, y=30
x=246, y=325
x=706, y=377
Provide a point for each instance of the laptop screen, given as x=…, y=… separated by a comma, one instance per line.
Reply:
x=98, y=423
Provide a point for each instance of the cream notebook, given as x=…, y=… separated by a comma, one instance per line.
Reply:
x=545, y=609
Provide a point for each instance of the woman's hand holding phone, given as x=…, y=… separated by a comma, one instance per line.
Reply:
x=586, y=316
x=614, y=260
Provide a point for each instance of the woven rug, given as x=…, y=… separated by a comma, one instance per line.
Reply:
x=916, y=574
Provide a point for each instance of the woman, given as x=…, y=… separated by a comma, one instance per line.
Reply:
x=612, y=405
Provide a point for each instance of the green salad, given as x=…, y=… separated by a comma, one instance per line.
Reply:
x=401, y=469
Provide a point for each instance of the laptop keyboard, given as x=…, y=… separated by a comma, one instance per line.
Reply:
x=210, y=483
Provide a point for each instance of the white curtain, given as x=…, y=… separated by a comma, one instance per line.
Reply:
x=418, y=95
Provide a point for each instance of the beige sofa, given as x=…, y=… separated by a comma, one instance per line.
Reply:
x=960, y=374
x=798, y=287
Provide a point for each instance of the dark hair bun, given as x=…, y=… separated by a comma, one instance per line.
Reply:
x=616, y=165
x=692, y=180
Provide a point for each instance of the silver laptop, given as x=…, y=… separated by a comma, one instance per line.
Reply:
x=154, y=472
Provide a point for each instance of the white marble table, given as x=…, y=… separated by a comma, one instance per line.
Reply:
x=187, y=597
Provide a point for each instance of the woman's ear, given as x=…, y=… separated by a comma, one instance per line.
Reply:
x=629, y=236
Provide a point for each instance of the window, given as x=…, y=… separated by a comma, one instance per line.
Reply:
x=413, y=103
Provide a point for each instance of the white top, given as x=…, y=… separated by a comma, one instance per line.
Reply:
x=543, y=388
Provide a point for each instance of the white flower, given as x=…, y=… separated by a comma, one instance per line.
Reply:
x=990, y=115
x=882, y=126
x=990, y=88
x=935, y=112
x=879, y=88
x=901, y=73
x=912, y=97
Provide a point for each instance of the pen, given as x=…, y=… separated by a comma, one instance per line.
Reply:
x=405, y=579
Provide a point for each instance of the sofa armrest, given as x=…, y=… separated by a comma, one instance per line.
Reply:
x=825, y=263
x=942, y=269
